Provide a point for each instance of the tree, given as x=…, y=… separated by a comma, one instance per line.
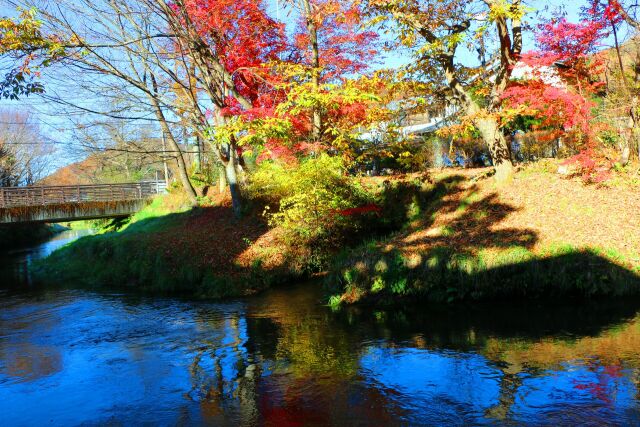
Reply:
x=113, y=50
x=626, y=95
x=435, y=31
x=19, y=39
x=229, y=43
x=330, y=41
x=119, y=151
x=262, y=85
x=25, y=155
x=564, y=74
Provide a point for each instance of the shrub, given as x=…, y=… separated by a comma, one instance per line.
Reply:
x=310, y=202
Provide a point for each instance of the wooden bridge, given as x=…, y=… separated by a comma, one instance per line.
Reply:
x=75, y=202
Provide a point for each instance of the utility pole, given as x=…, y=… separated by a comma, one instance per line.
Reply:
x=164, y=159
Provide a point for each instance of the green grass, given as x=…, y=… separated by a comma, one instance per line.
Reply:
x=126, y=260
x=446, y=275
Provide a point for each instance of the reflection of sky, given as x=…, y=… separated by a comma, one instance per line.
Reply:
x=460, y=388
x=119, y=362
x=438, y=386
x=585, y=394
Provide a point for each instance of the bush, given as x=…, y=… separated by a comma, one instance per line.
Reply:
x=311, y=201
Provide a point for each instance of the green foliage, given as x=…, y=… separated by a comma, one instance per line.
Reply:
x=23, y=40
x=309, y=197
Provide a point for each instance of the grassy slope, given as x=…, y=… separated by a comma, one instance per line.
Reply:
x=542, y=236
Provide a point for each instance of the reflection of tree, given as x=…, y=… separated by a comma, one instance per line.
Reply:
x=223, y=379
x=282, y=356
x=610, y=347
x=509, y=384
x=520, y=341
x=22, y=359
x=310, y=340
x=606, y=351
x=311, y=348
x=28, y=362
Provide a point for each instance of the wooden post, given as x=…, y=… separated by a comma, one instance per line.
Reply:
x=2, y=202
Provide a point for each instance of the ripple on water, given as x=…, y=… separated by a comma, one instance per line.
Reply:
x=71, y=357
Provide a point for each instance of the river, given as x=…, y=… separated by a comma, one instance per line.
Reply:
x=70, y=357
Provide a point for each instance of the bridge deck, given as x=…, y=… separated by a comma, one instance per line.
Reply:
x=58, y=203
x=11, y=197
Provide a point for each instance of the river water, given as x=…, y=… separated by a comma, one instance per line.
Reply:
x=283, y=359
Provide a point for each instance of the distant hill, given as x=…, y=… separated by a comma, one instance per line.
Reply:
x=79, y=173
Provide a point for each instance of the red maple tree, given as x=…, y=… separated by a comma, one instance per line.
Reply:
x=565, y=107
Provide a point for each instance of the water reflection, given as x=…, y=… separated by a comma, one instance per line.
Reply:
x=73, y=357
x=70, y=357
x=14, y=265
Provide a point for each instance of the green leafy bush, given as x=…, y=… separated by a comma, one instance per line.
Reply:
x=306, y=201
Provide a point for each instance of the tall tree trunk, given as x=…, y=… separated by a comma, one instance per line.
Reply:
x=625, y=148
x=232, y=180
x=634, y=137
x=198, y=162
x=228, y=157
x=182, y=166
x=315, y=63
x=164, y=160
x=487, y=125
x=183, y=172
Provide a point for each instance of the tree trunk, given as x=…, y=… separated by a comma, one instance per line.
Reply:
x=498, y=148
x=184, y=175
x=198, y=162
x=315, y=63
x=634, y=137
x=488, y=126
x=164, y=161
x=232, y=180
x=182, y=166
x=222, y=179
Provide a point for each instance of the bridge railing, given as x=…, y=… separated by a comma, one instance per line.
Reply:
x=11, y=197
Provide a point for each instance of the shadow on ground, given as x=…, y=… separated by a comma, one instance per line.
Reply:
x=456, y=248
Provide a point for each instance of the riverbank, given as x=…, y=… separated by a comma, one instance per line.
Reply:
x=443, y=236
x=172, y=249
